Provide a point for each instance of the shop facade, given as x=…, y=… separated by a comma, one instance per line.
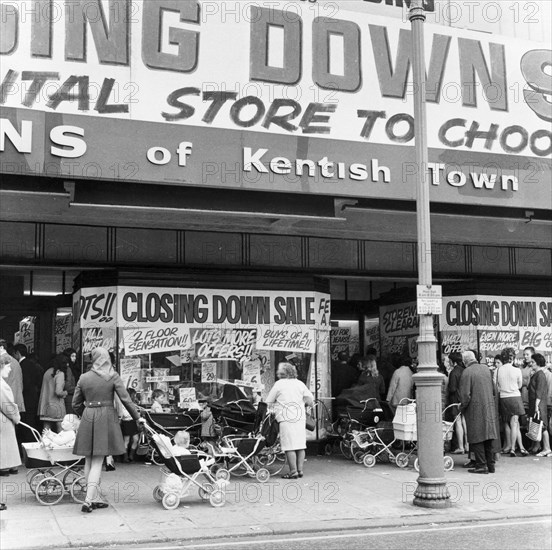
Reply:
x=265, y=156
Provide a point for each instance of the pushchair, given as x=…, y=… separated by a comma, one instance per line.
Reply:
x=356, y=421
x=168, y=424
x=180, y=474
x=405, y=429
x=240, y=456
x=53, y=471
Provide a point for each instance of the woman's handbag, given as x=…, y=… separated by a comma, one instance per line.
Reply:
x=534, y=430
x=310, y=424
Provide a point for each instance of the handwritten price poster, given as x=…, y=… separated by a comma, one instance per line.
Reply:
x=208, y=372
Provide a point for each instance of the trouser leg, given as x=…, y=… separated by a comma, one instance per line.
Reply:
x=479, y=454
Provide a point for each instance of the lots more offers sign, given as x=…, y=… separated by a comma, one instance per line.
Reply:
x=225, y=324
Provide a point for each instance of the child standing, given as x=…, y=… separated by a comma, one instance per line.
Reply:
x=129, y=429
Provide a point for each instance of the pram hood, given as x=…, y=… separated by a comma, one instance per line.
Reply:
x=231, y=393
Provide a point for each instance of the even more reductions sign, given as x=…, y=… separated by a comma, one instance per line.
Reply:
x=224, y=324
x=496, y=322
x=260, y=82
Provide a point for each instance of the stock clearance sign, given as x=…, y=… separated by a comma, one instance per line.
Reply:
x=271, y=96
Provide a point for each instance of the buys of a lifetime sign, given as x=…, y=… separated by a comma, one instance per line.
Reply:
x=293, y=73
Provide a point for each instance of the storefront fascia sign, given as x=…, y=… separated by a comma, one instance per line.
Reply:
x=488, y=118
x=159, y=319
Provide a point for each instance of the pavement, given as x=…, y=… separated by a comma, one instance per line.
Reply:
x=335, y=494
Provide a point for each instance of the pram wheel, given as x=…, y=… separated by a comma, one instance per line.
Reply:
x=30, y=474
x=369, y=460
x=70, y=476
x=205, y=491
x=157, y=493
x=217, y=498
x=37, y=477
x=78, y=490
x=170, y=501
x=262, y=475
x=417, y=465
x=345, y=449
x=223, y=473
x=49, y=491
x=401, y=460
x=358, y=456
x=448, y=463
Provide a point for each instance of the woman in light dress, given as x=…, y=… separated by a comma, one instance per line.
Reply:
x=289, y=397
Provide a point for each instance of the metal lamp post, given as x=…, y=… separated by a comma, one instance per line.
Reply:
x=431, y=491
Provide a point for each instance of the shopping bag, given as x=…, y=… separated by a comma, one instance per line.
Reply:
x=310, y=424
x=534, y=430
x=143, y=445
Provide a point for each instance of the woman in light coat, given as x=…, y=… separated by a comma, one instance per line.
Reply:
x=9, y=417
x=51, y=407
x=289, y=397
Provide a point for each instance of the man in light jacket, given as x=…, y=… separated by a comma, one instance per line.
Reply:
x=402, y=384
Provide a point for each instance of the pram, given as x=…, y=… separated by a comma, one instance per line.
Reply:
x=53, y=471
x=241, y=456
x=405, y=429
x=235, y=409
x=168, y=424
x=356, y=422
x=180, y=474
x=242, y=453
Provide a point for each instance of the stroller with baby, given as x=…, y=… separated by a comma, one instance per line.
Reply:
x=53, y=471
x=168, y=424
x=180, y=474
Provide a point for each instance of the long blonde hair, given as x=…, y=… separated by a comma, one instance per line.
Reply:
x=369, y=366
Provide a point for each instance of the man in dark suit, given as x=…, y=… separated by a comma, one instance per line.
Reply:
x=32, y=384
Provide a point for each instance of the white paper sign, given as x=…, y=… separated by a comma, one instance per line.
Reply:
x=143, y=340
x=252, y=374
x=208, y=372
x=430, y=299
x=187, y=397
x=297, y=338
x=130, y=372
x=159, y=379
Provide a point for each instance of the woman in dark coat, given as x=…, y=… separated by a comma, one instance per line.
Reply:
x=99, y=434
x=70, y=378
x=538, y=399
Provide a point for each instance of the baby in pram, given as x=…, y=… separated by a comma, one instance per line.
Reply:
x=181, y=443
x=67, y=436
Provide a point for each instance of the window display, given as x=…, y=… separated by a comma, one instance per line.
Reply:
x=180, y=348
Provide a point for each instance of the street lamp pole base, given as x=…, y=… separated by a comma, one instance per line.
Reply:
x=432, y=493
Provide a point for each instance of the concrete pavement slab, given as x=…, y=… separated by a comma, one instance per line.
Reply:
x=334, y=494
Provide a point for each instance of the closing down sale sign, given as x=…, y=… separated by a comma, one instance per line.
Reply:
x=293, y=100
